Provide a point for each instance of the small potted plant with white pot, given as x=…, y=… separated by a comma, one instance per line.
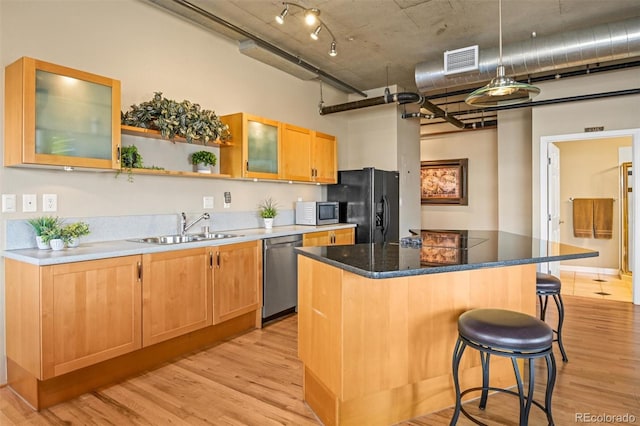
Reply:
x=203, y=160
x=54, y=236
x=71, y=233
x=41, y=225
x=268, y=211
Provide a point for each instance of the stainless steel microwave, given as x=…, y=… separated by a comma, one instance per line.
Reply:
x=316, y=212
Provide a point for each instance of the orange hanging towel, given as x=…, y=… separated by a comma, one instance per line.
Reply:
x=583, y=217
x=603, y=218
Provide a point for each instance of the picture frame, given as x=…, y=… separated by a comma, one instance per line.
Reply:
x=444, y=182
x=443, y=248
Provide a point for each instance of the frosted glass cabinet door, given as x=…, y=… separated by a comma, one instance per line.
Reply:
x=262, y=148
x=73, y=117
x=56, y=115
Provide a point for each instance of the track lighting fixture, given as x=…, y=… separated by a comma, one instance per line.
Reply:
x=502, y=90
x=311, y=17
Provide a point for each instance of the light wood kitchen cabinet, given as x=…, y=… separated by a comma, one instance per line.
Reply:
x=329, y=238
x=176, y=293
x=307, y=155
x=296, y=153
x=61, y=318
x=59, y=116
x=237, y=280
x=324, y=161
x=255, y=147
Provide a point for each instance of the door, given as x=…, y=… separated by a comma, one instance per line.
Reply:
x=90, y=313
x=627, y=218
x=296, y=153
x=391, y=205
x=553, y=203
x=237, y=280
x=176, y=294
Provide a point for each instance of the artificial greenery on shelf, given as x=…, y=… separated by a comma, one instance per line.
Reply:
x=131, y=159
x=203, y=157
x=185, y=119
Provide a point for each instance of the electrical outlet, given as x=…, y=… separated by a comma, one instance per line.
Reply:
x=29, y=203
x=49, y=202
x=207, y=202
x=8, y=203
x=227, y=200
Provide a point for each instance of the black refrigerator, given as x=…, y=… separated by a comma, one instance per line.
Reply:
x=370, y=199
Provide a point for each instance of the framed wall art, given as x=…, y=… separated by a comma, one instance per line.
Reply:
x=444, y=182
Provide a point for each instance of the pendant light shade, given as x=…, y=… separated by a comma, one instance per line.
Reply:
x=502, y=90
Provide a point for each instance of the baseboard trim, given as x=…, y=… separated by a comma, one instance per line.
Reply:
x=590, y=270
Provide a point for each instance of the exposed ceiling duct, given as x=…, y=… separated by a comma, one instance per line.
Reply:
x=603, y=43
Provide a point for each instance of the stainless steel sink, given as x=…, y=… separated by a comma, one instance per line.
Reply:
x=178, y=239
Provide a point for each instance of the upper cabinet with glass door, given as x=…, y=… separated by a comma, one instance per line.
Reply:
x=255, y=150
x=58, y=116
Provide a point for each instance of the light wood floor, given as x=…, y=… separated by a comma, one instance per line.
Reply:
x=256, y=379
x=597, y=286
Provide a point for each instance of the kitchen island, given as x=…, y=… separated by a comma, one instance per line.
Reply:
x=377, y=323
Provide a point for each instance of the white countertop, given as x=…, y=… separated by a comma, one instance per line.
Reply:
x=102, y=250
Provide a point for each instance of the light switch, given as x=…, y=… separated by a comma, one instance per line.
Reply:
x=49, y=202
x=29, y=203
x=8, y=203
x=227, y=200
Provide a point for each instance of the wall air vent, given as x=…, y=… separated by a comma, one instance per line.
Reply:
x=461, y=60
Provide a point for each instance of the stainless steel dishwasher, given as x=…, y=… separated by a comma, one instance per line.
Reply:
x=280, y=277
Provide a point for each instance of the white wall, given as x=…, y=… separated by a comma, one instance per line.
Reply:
x=480, y=147
x=150, y=50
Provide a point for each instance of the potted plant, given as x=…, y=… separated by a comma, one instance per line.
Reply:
x=130, y=159
x=54, y=236
x=203, y=160
x=41, y=225
x=268, y=211
x=72, y=232
x=185, y=119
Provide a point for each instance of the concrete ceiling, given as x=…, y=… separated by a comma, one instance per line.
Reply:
x=380, y=42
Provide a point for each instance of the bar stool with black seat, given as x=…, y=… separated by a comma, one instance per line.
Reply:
x=509, y=334
x=550, y=285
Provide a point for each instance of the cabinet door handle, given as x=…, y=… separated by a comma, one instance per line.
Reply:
x=139, y=271
x=247, y=165
x=218, y=259
x=210, y=260
x=118, y=154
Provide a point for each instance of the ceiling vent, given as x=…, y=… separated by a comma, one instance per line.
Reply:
x=461, y=60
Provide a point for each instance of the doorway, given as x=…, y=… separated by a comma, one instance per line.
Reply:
x=545, y=223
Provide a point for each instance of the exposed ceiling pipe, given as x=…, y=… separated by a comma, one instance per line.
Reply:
x=577, y=98
x=400, y=98
x=608, y=42
x=262, y=43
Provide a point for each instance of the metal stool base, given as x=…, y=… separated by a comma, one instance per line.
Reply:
x=525, y=400
x=543, y=311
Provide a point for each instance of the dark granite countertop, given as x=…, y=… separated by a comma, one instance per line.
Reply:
x=444, y=251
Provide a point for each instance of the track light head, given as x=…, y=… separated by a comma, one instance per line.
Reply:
x=314, y=34
x=280, y=18
x=311, y=16
x=333, y=51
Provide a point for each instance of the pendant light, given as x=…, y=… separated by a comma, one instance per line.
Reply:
x=502, y=90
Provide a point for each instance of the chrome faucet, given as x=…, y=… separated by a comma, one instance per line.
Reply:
x=183, y=222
